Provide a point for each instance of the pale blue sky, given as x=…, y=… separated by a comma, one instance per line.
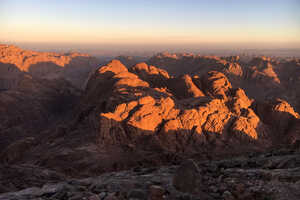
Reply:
x=151, y=21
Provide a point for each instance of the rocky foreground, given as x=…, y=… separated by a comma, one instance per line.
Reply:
x=274, y=175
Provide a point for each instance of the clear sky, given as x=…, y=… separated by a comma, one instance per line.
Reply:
x=150, y=22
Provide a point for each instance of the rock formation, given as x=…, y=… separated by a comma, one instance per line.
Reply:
x=140, y=115
x=73, y=67
x=144, y=110
x=261, y=77
x=132, y=108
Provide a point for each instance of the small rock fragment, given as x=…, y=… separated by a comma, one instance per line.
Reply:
x=187, y=177
x=137, y=194
x=94, y=197
x=156, y=192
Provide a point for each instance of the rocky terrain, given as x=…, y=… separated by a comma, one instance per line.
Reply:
x=235, y=117
x=14, y=61
x=33, y=107
x=261, y=77
x=271, y=175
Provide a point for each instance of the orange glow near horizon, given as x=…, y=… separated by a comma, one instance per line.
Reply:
x=151, y=22
x=119, y=36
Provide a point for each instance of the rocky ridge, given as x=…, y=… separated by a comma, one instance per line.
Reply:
x=261, y=77
x=136, y=117
x=14, y=61
x=144, y=101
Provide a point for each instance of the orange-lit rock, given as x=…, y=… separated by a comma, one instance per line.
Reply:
x=73, y=67
x=140, y=115
x=154, y=76
x=183, y=87
x=134, y=108
x=216, y=84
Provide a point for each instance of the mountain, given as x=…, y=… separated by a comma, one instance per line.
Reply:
x=261, y=77
x=125, y=116
x=14, y=61
x=139, y=116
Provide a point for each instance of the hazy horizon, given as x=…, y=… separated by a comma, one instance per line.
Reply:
x=156, y=25
x=111, y=51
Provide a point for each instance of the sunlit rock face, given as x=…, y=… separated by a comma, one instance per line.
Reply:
x=179, y=113
x=14, y=62
x=183, y=87
x=261, y=77
x=157, y=78
x=142, y=115
x=216, y=84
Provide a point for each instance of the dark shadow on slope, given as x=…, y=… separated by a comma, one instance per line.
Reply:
x=42, y=69
x=9, y=76
x=282, y=123
x=76, y=71
x=186, y=64
x=26, y=111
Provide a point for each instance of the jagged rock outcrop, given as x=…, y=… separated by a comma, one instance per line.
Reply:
x=280, y=116
x=183, y=87
x=262, y=70
x=216, y=84
x=132, y=109
x=261, y=77
x=234, y=70
x=156, y=77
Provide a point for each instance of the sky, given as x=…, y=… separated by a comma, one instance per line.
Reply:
x=244, y=23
